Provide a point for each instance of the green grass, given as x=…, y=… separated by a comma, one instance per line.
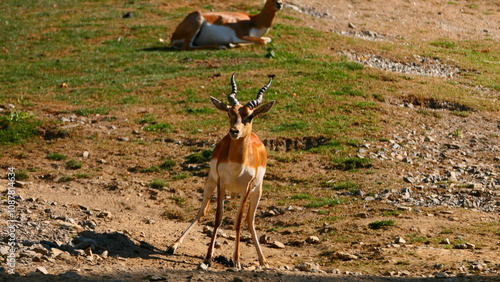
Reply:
x=381, y=224
x=73, y=164
x=56, y=156
x=199, y=157
x=18, y=127
x=158, y=127
x=159, y=184
x=325, y=201
x=351, y=163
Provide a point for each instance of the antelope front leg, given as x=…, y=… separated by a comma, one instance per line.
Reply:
x=207, y=195
x=221, y=193
x=237, y=228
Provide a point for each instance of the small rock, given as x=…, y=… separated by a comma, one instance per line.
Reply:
x=399, y=240
x=202, y=266
x=277, y=245
x=124, y=139
x=446, y=241
x=470, y=246
x=104, y=254
x=441, y=275
x=307, y=266
x=313, y=240
x=264, y=239
x=42, y=270
x=85, y=154
x=345, y=256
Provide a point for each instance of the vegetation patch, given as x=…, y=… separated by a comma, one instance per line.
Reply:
x=381, y=224
x=17, y=128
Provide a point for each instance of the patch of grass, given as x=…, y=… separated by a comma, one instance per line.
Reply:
x=17, y=128
x=148, y=118
x=158, y=184
x=200, y=111
x=66, y=178
x=352, y=163
x=56, y=156
x=150, y=169
x=180, y=175
x=302, y=196
x=348, y=91
x=158, y=127
x=345, y=185
x=461, y=113
x=199, y=157
x=178, y=200
x=22, y=175
x=443, y=44
x=83, y=175
x=381, y=224
x=168, y=165
x=73, y=164
x=292, y=126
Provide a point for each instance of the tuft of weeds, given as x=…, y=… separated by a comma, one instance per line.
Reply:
x=321, y=202
x=17, y=127
x=381, y=224
x=158, y=184
x=168, y=165
x=199, y=157
x=22, y=175
x=66, y=178
x=56, y=156
x=158, y=127
x=345, y=185
x=73, y=164
x=443, y=44
x=352, y=163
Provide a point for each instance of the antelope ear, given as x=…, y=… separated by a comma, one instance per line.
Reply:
x=264, y=108
x=219, y=105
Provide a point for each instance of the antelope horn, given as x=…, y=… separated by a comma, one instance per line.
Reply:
x=254, y=103
x=232, y=97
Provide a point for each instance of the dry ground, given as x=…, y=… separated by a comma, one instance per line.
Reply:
x=146, y=221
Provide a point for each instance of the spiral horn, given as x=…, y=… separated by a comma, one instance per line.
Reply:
x=254, y=103
x=232, y=97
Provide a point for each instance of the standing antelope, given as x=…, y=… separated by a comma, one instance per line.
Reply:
x=220, y=30
x=238, y=165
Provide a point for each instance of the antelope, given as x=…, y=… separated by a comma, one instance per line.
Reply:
x=222, y=30
x=238, y=165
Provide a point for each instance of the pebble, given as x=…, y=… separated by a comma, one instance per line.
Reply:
x=313, y=240
x=345, y=256
x=307, y=267
x=277, y=245
x=42, y=270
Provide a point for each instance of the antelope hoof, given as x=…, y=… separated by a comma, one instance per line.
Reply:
x=266, y=40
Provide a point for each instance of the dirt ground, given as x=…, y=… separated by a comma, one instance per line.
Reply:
x=135, y=224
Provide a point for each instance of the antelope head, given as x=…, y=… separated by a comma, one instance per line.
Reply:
x=241, y=116
x=276, y=4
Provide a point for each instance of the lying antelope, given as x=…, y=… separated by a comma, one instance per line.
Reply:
x=238, y=165
x=220, y=30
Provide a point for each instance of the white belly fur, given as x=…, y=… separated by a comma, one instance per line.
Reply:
x=234, y=178
x=211, y=34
